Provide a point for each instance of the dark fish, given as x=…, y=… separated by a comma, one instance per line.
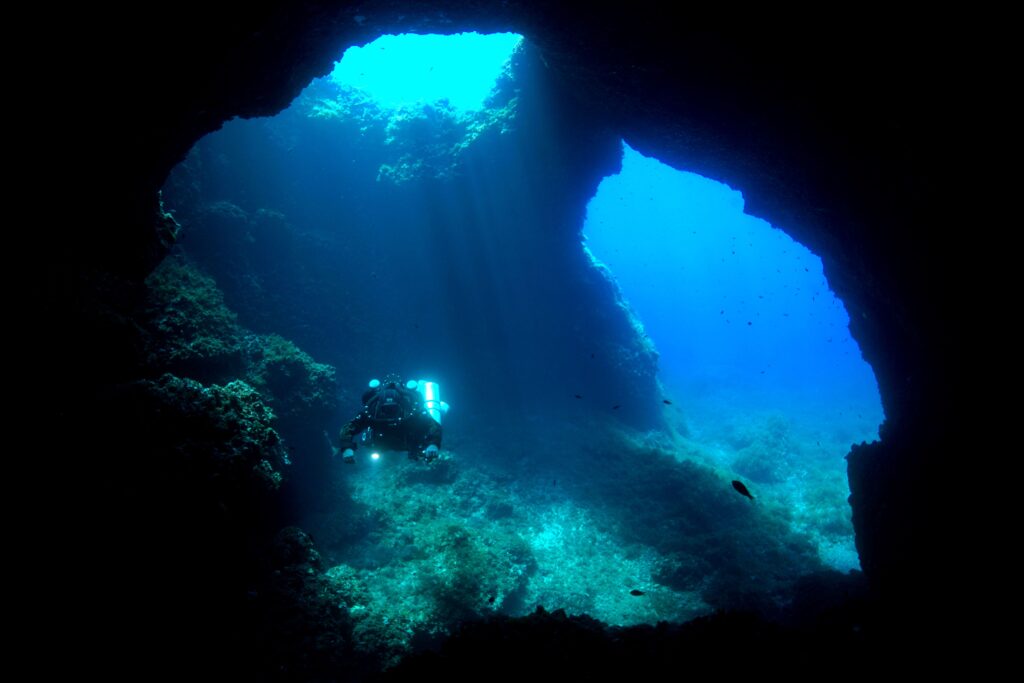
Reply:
x=636, y=592
x=490, y=600
x=577, y=396
x=666, y=401
x=739, y=486
x=616, y=407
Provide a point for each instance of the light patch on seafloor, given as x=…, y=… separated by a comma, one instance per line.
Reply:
x=584, y=571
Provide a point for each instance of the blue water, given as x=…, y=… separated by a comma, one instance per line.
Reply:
x=738, y=310
x=754, y=347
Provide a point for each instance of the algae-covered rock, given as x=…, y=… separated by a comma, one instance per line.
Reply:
x=189, y=330
x=293, y=546
x=424, y=562
x=303, y=615
x=219, y=434
x=440, y=574
x=738, y=555
x=294, y=383
x=469, y=574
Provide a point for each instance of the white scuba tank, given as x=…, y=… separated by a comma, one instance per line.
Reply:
x=431, y=392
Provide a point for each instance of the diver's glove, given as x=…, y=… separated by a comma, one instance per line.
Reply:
x=348, y=456
x=430, y=453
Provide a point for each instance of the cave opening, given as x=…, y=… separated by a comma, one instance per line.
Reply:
x=410, y=69
x=349, y=237
x=753, y=345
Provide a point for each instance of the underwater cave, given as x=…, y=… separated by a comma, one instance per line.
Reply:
x=585, y=488
x=405, y=214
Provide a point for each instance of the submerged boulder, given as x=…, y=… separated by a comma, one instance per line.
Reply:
x=190, y=331
x=216, y=437
x=295, y=384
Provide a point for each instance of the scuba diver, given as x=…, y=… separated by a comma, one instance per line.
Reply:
x=396, y=417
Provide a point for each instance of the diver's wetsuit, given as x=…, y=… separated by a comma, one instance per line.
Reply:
x=398, y=420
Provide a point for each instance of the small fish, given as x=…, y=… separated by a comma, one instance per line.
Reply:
x=666, y=401
x=742, y=489
x=636, y=592
x=577, y=396
x=490, y=600
x=616, y=407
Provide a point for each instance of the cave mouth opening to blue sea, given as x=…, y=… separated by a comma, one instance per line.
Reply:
x=376, y=225
x=754, y=347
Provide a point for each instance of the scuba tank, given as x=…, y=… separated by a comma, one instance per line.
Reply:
x=431, y=392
